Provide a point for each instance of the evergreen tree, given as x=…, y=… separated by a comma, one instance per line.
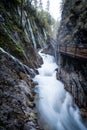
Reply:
x=40, y=5
x=48, y=5
x=35, y=3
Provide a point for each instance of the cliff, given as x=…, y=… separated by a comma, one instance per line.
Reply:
x=17, y=107
x=73, y=32
x=21, y=34
x=73, y=28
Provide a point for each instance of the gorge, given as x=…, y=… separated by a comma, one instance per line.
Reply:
x=45, y=90
x=56, y=107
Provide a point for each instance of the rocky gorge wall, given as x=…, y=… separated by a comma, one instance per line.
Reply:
x=73, y=73
x=18, y=59
x=17, y=107
x=72, y=31
x=21, y=36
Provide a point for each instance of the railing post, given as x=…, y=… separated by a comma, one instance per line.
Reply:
x=58, y=48
x=75, y=50
x=65, y=47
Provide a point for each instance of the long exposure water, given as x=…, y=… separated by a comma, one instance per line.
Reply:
x=55, y=104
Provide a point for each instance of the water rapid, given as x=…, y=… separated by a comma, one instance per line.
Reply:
x=55, y=105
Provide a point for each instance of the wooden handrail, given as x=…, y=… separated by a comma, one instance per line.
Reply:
x=74, y=50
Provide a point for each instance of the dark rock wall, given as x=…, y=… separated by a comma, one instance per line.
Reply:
x=51, y=47
x=73, y=30
x=20, y=39
x=18, y=60
x=17, y=107
x=73, y=73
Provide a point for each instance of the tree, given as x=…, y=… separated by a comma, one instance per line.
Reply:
x=48, y=5
x=40, y=5
x=35, y=3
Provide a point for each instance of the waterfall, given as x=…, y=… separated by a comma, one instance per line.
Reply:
x=32, y=35
x=55, y=105
x=22, y=67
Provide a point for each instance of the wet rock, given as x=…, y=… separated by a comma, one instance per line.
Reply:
x=2, y=128
x=33, y=115
x=71, y=74
x=56, y=69
x=31, y=104
x=35, y=83
x=84, y=113
x=16, y=96
x=72, y=31
x=51, y=47
x=28, y=126
x=36, y=71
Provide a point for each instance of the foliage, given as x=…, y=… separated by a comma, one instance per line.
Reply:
x=8, y=44
x=42, y=19
x=46, y=20
x=56, y=25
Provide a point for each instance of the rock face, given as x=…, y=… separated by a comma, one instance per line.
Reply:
x=17, y=107
x=51, y=47
x=73, y=28
x=73, y=71
x=20, y=36
x=18, y=60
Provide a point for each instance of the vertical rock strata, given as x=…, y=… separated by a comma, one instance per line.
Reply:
x=18, y=60
x=73, y=31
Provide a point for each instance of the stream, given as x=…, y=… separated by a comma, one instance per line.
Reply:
x=55, y=105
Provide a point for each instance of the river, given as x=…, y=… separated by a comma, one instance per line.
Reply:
x=55, y=105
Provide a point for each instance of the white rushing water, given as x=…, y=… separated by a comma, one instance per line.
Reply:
x=55, y=104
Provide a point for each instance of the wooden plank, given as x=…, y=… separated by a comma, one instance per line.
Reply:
x=74, y=51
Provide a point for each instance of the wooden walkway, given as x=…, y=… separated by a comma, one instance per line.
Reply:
x=76, y=51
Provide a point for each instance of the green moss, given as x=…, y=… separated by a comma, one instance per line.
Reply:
x=2, y=9
x=16, y=29
x=9, y=25
x=19, y=1
x=12, y=24
x=7, y=44
x=19, y=47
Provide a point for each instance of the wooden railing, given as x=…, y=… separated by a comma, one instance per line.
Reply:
x=74, y=50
